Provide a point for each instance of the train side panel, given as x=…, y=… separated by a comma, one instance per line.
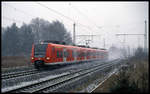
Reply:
x=57, y=54
x=32, y=54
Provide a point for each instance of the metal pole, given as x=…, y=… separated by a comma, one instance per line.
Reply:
x=74, y=40
x=38, y=32
x=145, y=38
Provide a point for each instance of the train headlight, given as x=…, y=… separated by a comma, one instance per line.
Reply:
x=47, y=58
x=32, y=58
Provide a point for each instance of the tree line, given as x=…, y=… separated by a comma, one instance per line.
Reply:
x=18, y=41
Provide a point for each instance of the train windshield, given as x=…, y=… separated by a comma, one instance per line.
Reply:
x=40, y=50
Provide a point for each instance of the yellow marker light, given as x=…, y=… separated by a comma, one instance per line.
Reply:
x=32, y=58
x=47, y=58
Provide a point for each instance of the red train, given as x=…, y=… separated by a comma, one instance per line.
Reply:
x=50, y=53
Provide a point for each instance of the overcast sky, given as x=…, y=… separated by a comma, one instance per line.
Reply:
x=98, y=18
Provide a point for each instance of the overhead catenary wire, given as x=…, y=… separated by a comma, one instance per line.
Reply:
x=85, y=16
x=99, y=27
x=7, y=18
x=63, y=15
x=55, y=11
x=28, y=14
x=19, y=10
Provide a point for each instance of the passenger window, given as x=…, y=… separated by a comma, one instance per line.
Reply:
x=58, y=53
x=61, y=54
x=85, y=53
x=69, y=53
x=65, y=53
x=73, y=53
x=53, y=50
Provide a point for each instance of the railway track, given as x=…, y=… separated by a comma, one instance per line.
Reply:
x=16, y=69
x=51, y=84
x=53, y=71
x=18, y=74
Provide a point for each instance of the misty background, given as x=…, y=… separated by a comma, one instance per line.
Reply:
x=18, y=41
x=33, y=21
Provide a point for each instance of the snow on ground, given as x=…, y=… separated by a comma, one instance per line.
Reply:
x=23, y=84
x=97, y=83
x=71, y=68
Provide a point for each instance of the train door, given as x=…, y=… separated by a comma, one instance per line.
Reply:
x=64, y=55
x=53, y=54
x=74, y=54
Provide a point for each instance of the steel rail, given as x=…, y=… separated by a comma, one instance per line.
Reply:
x=74, y=79
x=17, y=74
x=65, y=82
x=49, y=83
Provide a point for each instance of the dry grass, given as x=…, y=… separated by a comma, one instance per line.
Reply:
x=134, y=79
x=104, y=87
x=14, y=61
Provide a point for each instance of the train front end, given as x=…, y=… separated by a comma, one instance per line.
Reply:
x=39, y=55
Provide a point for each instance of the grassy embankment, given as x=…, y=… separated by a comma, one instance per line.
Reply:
x=133, y=78
x=14, y=61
